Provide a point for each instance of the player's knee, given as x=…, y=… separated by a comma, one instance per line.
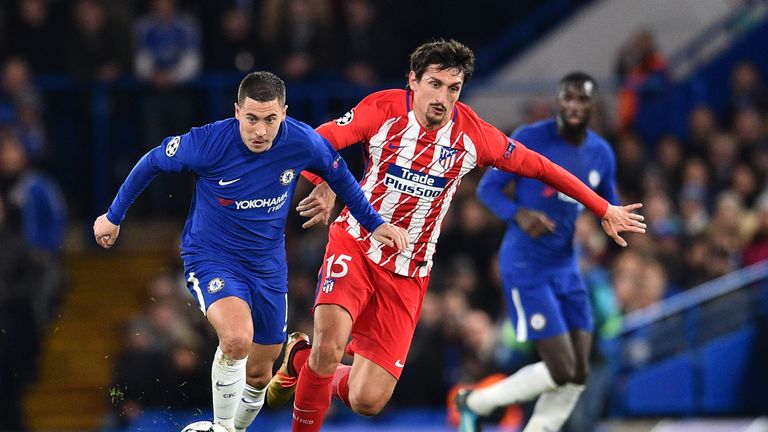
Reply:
x=563, y=373
x=366, y=404
x=327, y=354
x=327, y=351
x=235, y=344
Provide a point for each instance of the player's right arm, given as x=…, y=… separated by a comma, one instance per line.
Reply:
x=173, y=155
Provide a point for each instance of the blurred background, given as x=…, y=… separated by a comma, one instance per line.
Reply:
x=112, y=341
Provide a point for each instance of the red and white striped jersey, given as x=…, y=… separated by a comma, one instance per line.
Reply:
x=412, y=173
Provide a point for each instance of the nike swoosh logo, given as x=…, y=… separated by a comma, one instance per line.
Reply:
x=392, y=146
x=223, y=182
x=219, y=384
x=399, y=364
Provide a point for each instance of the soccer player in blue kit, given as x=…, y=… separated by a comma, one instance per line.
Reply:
x=233, y=244
x=545, y=293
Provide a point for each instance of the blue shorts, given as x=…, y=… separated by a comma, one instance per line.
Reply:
x=549, y=305
x=267, y=297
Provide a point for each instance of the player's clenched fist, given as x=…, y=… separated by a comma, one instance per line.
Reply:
x=105, y=231
x=391, y=235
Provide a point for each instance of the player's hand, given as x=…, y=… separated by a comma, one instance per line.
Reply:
x=391, y=235
x=622, y=219
x=105, y=231
x=534, y=223
x=317, y=206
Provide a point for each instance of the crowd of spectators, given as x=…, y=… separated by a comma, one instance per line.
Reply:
x=149, y=54
x=298, y=39
x=705, y=193
x=33, y=220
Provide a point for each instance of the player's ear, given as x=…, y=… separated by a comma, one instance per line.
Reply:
x=285, y=111
x=412, y=80
x=237, y=111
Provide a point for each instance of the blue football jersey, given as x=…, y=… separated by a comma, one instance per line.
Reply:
x=593, y=162
x=241, y=198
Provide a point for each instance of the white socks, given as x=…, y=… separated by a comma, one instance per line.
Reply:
x=522, y=386
x=228, y=380
x=553, y=408
x=249, y=407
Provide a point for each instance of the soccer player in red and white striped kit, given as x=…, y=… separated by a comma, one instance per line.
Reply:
x=419, y=143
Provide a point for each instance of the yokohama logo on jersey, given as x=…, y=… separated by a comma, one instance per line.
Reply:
x=413, y=183
x=273, y=204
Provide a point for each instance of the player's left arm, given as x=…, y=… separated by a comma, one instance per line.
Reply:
x=518, y=159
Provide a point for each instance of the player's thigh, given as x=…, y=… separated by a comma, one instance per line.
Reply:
x=383, y=331
x=230, y=317
x=222, y=295
x=574, y=302
x=269, y=309
x=533, y=308
x=332, y=326
x=345, y=278
x=370, y=385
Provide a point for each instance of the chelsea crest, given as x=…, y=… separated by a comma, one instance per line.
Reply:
x=287, y=177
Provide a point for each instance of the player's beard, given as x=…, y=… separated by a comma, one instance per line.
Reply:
x=571, y=129
x=433, y=118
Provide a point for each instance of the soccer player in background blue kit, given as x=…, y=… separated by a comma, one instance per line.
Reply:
x=545, y=293
x=233, y=244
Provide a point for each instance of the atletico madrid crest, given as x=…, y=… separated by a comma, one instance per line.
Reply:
x=447, y=157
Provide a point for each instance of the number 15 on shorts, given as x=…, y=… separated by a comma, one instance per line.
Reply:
x=335, y=267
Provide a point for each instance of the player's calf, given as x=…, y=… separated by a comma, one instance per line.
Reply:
x=371, y=389
x=367, y=405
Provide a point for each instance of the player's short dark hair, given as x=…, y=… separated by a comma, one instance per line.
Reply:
x=261, y=86
x=578, y=78
x=447, y=54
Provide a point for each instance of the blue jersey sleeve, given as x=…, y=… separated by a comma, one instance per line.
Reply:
x=329, y=165
x=490, y=191
x=173, y=155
